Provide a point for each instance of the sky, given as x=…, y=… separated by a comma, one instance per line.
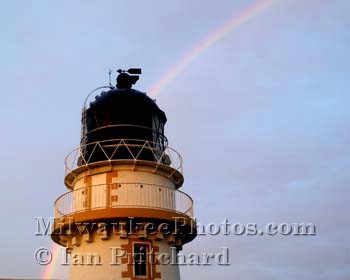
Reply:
x=260, y=117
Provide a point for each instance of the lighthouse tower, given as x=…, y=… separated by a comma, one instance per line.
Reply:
x=123, y=216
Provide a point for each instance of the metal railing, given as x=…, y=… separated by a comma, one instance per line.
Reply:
x=123, y=149
x=121, y=195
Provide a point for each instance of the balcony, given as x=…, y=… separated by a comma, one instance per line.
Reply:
x=133, y=152
x=124, y=199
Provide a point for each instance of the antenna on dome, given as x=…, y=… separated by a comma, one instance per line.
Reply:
x=109, y=78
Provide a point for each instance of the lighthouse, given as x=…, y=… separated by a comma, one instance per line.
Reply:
x=124, y=215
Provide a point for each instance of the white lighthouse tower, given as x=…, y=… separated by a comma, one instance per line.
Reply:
x=123, y=216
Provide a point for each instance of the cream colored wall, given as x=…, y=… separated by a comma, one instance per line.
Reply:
x=102, y=249
x=106, y=271
x=133, y=188
x=135, y=195
x=168, y=271
x=127, y=176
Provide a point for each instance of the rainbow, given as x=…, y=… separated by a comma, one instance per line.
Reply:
x=170, y=75
x=51, y=268
x=208, y=41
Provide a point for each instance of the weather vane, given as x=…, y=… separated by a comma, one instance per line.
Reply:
x=127, y=78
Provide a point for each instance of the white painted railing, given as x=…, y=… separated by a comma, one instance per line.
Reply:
x=123, y=195
x=122, y=149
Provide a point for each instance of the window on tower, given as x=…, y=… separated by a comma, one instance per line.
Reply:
x=140, y=259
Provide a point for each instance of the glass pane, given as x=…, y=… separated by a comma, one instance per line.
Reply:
x=140, y=255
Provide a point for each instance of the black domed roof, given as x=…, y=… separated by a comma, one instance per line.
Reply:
x=127, y=101
x=124, y=115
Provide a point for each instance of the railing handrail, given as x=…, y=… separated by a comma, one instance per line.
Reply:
x=84, y=124
x=154, y=132
x=91, y=92
x=125, y=125
x=185, y=198
x=144, y=144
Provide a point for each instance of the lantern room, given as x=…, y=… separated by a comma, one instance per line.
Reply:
x=127, y=115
